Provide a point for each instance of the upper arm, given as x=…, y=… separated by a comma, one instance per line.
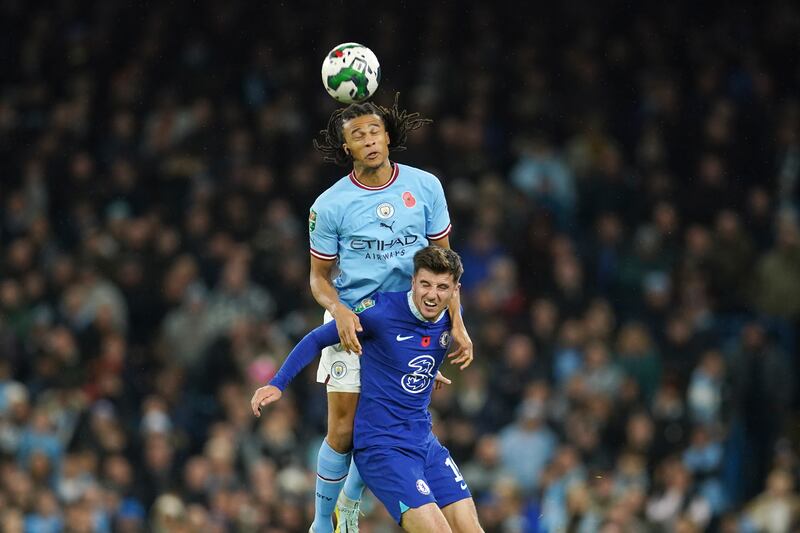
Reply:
x=444, y=242
x=323, y=234
x=321, y=268
x=438, y=218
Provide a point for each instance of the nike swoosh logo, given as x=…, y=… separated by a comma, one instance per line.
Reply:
x=463, y=486
x=400, y=338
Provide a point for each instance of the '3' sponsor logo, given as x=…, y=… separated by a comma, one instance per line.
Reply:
x=422, y=375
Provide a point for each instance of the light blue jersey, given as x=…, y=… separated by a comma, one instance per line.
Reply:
x=374, y=232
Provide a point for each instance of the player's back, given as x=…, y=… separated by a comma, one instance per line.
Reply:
x=401, y=355
x=374, y=232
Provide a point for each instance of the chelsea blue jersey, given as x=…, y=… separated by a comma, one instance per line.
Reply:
x=401, y=354
x=374, y=232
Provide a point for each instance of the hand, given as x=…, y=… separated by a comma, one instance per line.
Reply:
x=440, y=381
x=463, y=353
x=347, y=324
x=263, y=397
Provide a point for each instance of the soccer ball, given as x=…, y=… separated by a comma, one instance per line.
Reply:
x=351, y=73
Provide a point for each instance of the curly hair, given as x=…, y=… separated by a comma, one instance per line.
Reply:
x=398, y=122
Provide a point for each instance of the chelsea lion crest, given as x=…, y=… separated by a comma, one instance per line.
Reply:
x=422, y=487
x=444, y=339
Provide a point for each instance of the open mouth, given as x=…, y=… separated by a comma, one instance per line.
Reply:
x=373, y=155
x=430, y=304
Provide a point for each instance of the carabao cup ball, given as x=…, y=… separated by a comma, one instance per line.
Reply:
x=351, y=73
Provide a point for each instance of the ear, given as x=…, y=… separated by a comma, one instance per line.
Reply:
x=388, y=140
x=346, y=149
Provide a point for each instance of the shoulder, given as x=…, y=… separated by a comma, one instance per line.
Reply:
x=366, y=303
x=331, y=197
x=426, y=184
x=370, y=311
x=418, y=174
x=380, y=301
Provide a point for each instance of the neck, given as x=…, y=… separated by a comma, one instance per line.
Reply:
x=374, y=177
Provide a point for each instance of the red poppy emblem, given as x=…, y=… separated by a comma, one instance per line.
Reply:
x=409, y=199
x=426, y=341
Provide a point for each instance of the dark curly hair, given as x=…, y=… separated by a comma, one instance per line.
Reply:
x=398, y=122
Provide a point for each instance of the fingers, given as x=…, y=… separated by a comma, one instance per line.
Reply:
x=269, y=397
x=464, y=360
x=356, y=343
x=263, y=397
x=351, y=343
x=348, y=336
x=348, y=324
x=345, y=340
x=462, y=355
x=254, y=405
x=457, y=353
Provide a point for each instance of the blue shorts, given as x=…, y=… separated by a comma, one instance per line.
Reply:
x=404, y=479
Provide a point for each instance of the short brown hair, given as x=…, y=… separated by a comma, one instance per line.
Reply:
x=439, y=261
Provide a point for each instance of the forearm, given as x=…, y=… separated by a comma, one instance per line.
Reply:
x=324, y=293
x=455, y=304
x=304, y=352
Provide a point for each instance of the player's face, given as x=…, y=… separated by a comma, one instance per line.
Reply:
x=432, y=292
x=366, y=140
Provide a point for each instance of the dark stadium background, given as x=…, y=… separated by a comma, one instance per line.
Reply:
x=623, y=183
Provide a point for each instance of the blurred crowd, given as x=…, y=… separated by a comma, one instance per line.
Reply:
x=623, y=181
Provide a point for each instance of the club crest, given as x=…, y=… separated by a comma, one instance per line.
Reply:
x=423, y=488
x=338, y=369
x=444, y=339
x=385, y=210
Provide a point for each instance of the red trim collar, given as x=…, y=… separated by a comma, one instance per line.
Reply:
x=357, y=183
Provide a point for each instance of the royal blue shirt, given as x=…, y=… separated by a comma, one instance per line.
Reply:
x=402, y=353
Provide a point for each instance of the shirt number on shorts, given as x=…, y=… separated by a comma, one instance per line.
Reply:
x=449, y=462
x=418, y=380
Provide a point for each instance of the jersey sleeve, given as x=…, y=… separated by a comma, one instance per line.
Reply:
x=438, y=219
x=367, y=310
x=305, y=352
x=323, y=233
